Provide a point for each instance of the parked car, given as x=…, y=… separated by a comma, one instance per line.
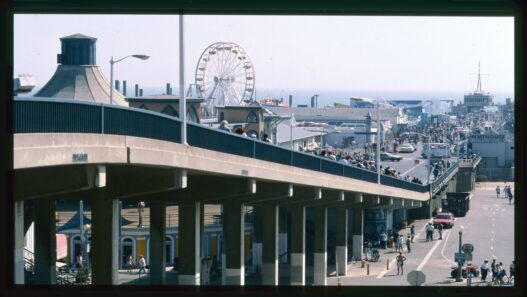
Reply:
x=406, y=148
x=390, y=157
x=444, y=218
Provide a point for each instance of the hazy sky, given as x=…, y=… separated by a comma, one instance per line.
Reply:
x=304, y=52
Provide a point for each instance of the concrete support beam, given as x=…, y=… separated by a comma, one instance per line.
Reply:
x=320, y=273
x=298, y=245
x=18, y=260
x=270, y=246
x=105, y=239
x=45, y=242
x=358, y=234
x=157, y=242
x=233, y=237
x=189, y=241
x=342, y=240
x=257, y=238
x=282, y=235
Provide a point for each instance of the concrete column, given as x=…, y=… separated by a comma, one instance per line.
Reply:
x=19, y=243
x=233, y=236
x=257, y=239
x=270, y=246
x=342, y=240
x=321, y=238
x=105, y=240
x=157, y=242
x=298, y=246
x=45, y=242
x=358, y=237
x=282, y=236
x=189, y=241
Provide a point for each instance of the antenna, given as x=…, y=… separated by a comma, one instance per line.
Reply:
x=479, y=77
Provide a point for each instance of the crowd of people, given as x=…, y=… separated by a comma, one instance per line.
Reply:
x=497, y=270
x=507, y=192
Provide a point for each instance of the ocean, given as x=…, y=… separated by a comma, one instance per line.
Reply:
x=329, y=96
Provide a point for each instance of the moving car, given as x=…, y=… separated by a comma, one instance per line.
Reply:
x=444, y=218
x=390, y=157
x=406, y=148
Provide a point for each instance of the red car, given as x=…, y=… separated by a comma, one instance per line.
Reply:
x=444, y=218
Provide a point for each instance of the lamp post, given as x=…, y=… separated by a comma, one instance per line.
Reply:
x=458, y=277
x=291, y=122
x=112, y=61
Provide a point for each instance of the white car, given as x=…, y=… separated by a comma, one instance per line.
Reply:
x=406, y=148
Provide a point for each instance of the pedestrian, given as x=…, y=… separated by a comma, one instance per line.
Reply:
x=142, y=265
x=429, y=232
x=400, y=263
x=266, y=138
x=498, y=191
x=408, y=243
x=511, y=270
x=224, y=126
x=384, y=239
x=510, y=195
x=494, y=269
x=204, y=271
x=400, y=241
x=129, y=263
x=484, y=270
x=78, y=260
x=412, y=232
x=440, y=231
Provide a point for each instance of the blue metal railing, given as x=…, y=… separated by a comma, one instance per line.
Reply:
x=44, y=115
x=437, y=184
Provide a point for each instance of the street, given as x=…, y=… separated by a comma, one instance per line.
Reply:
x=489, y=226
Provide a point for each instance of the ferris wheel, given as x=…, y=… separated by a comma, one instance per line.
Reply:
x=225, y=75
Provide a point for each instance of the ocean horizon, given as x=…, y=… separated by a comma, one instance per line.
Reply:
x=327, y=97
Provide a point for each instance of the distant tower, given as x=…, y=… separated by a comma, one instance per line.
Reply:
x=478, y=89
x=368, y=128
x=77, y=76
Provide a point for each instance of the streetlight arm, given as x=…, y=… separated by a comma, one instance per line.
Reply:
x=112, y=61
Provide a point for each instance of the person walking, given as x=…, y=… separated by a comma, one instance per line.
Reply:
x=384, y=239
x=429, y=232
x=440, y=231
x=511, y=270
x=494, y=269
x=129, y=263
x=400, y=241
x=142, y=265
x=400, y=263
x=408, y=244
x=484, y=270
x=78, y=261
x=509, y=193
x=412, y=232
x=498, y=191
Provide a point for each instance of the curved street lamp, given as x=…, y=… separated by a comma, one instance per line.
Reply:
x=112, y=61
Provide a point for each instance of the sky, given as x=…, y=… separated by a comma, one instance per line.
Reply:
x=378, y=53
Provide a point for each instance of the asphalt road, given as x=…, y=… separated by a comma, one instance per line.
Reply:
x=489, y=226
